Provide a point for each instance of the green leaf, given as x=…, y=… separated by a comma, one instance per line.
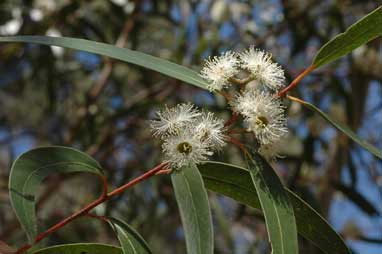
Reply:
x=147, y=61
x=366, y=29
x=344, y=129
x=80, y=248
x=276, y=206
x=31, y=168
x=195, y=212
x=131, y=241
x=235, y=182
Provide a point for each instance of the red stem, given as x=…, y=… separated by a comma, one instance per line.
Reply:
x=296, y=80
x=104, y=197
x=225, y=95
x=101, y=218
x=238, y=131
x=239, y=144
x=136, y=180
x=232, y=120
x=104, y=185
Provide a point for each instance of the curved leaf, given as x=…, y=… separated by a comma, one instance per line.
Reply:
x=131, y=241
x=80, y=248
x=343, y=128
x=235, y=182
x=131, y=56
x=195, y=212
x=364, y=30
x=31, y=168
x=276, y=206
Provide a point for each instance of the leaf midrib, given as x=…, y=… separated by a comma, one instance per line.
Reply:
x=195, y=212
x=276, y=211
x=128, y=239
x=323, y=60
x=226, y=182
x=104, y=49
x=350, y=29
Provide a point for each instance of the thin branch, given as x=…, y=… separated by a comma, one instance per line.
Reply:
x=370, y=240
x=296, y=81
x=239, y=144
x=232, y=120
x=101, y=218
x=225, y=95
x=101, y=199
x=104, y=185
x=98, y=87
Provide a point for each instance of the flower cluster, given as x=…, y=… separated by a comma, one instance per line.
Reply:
x=219, y=70
x=262, y=110
x=188, y=135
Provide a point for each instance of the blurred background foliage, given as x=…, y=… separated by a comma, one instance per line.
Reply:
x=50, y=95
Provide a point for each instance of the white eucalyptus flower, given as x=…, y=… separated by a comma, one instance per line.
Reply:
x=263, y=113
x=185, y=148
x=172, y=120
x=211, y=130
x=218, y=69
x=243, y=103
x=260, y=64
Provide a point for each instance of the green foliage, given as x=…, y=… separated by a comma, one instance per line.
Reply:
x=235, y=182
x=150, y=62
x=345, y=130
x=31, y=168
x=361, y=32
x=131, y=241
x=276, y=205
x=258, y=186
x=194, y=208
x=80, y=248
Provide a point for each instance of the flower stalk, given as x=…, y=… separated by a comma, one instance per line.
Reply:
x=296, y=81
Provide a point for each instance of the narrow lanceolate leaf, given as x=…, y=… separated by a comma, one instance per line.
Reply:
x=131, y=241
x=276, y=206
x=80, y=248
x=235, y=182
x=147, y=61
x=343, y=128
x=195, y=213
x=31, y=168
x=366, y=29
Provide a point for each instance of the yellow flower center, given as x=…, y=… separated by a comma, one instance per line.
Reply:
x=184, y=148
x=261, y=121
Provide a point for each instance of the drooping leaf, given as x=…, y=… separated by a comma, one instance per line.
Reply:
x=131, y=241
x=31, y=168
x=364, y=30
x=80, y=248
x=131, y=56
x=276, y=206
x=344, y=129
x=235, y=182
x=195, y=212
